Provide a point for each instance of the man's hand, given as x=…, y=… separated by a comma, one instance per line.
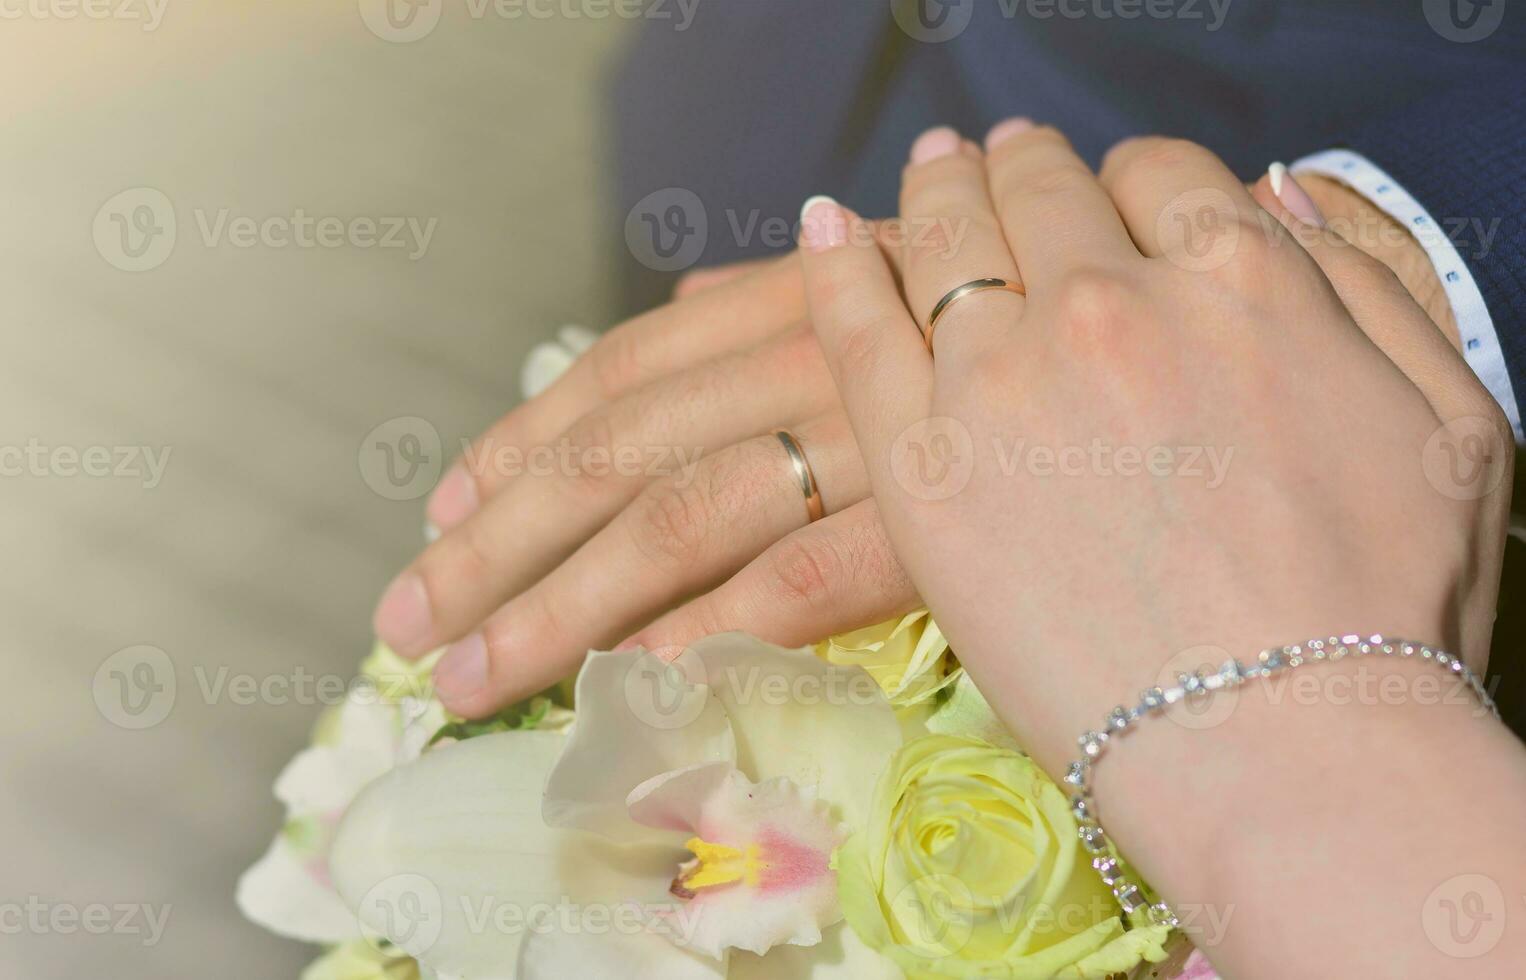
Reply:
x=1383, y=238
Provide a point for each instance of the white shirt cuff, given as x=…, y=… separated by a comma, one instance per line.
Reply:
x=1480, y=343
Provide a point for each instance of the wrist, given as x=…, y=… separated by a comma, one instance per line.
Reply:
x=1383, y=238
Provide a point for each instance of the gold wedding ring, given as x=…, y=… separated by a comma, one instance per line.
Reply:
x=960, y=292
x=803, y=473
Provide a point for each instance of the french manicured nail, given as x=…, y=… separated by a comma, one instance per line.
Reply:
x=403, y=618
x=462, y=672
x=1294, y=197
x=939, y=142
x=1006, y=129
x=823, y=224
x=454, y=500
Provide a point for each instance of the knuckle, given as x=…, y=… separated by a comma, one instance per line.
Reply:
x=1349, y=267
x=1058, y=179
x=466, y=555
x=1150, y=156
x=1093, y=302
x=594, y=431
x=615, y=361
x=875, y=561
x=595, y=441
x=806, y=569
x=673, y=523
x=1037, y=141
x=933, y=239
x=1099, y=313
x=861, y=345
x=700, y=618
x=1251, y=267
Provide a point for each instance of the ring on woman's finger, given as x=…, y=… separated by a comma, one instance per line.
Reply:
x=960, y=292
x=803, y=473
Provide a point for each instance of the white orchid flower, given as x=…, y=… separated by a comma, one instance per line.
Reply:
x=686, y=829
x=379, y=725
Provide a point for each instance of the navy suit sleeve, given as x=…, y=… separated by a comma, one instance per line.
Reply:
x=1462, y=154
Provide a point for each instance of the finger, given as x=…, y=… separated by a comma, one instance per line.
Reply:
x=680, y=537
x=1178, y=199
x=558, y=498
x=1380, y=304
x=837, y=575
x=699, y=279
x=952, y=237
x=875, y=351
x=1055, y=214
x=732, y=316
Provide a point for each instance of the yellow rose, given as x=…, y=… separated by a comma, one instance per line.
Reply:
x=908, y=657
x=970, y=866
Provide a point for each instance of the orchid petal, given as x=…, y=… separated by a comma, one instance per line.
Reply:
x=448, y=857
x=281, y=893
x=779, y=840
x=642, y=956
x=638, y=717
x=797, y=717
x=324, y=779
x=841, y=955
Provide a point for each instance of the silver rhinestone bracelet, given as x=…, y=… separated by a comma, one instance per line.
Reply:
x=1129, y=893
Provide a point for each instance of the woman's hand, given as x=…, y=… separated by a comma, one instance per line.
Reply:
x=647, y=475
x=1072, y=543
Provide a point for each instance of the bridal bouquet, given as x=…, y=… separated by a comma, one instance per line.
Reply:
x=852, y=811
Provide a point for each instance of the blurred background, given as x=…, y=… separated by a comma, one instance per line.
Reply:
x=232, y=380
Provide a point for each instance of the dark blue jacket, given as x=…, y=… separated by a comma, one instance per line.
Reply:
x=757, y=104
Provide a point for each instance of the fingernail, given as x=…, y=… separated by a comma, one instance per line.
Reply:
x=463, y=670
x=823, y=224
x=454, y=500
x=1294, y=197
x=937, y=142
x=1006, y=129
x=403, y=618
